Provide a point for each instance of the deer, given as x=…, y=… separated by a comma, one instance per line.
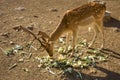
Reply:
x=91, y=13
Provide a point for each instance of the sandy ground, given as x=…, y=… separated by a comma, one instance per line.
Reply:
x=45, y=15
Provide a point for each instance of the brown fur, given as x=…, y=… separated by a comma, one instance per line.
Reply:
x=73, y=20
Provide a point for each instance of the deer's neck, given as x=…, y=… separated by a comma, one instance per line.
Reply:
x=59, y=30
x=57, y=33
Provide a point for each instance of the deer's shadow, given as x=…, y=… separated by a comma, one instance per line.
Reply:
x=110, y=75
x=76, y=75
x=112, y=23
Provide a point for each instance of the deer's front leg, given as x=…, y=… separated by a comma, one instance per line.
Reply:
x=95, y=35
x=67, y=41
x=74, y=40
x=100, y=27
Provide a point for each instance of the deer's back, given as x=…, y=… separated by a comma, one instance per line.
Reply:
x=91, y=9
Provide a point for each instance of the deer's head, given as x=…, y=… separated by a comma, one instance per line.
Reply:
x=48, y=45
x=43, y=40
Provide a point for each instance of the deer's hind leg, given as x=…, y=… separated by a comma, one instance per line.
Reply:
x=75, y=32
x=95, y=29
x=100, y=28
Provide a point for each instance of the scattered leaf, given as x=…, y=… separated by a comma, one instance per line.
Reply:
x=13, y=66
x=61, y=40
x=61, y=50
x=9, y=52
x=21, y=60
x=18, y=47
x=84, y=43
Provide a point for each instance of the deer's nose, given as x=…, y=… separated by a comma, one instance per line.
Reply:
x=50, y=54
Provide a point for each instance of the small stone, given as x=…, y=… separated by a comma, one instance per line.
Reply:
x=12, y=43
x=5, y=34
x=116, y=29
x=50, y=22
x=35, y=16
x=25, y=69
x=40, y=65
x=20, y=8
x=30, y=27
x=54, y=10
x=21, y=60
x=19, y=18
x=17, y=27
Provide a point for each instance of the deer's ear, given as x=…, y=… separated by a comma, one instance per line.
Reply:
x=43, y=34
